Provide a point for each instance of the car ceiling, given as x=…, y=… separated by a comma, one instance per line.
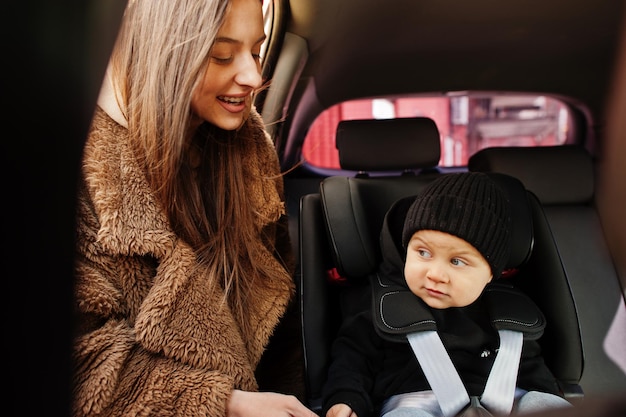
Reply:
x=560, y=46
x=365, y=48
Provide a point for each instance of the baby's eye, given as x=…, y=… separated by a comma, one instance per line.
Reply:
x=457, y=262
x=424, y=253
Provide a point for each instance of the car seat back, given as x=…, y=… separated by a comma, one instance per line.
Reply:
x=560, y=180
x=328, y=285
x=339, y=248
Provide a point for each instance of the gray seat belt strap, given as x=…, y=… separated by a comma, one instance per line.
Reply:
x=500, y=388
x=439, y=370
x=446, y=383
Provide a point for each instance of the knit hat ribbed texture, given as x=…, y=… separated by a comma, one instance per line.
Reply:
x=468, y=205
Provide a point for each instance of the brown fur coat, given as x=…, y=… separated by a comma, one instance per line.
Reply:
x=151, y=339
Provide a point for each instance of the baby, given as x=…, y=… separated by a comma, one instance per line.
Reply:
x=441, y=256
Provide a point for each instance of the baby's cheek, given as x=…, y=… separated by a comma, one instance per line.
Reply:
x=468, y=296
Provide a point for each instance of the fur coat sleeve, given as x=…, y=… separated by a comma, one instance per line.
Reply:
x=151, y=337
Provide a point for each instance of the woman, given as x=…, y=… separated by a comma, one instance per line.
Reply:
x=183, y=268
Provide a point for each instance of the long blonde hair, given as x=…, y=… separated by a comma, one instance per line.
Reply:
x=160, y=56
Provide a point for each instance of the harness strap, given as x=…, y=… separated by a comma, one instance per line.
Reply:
x=500, y=388
x=445, y=380
x=439, y=370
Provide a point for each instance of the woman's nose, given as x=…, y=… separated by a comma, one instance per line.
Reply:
x=249, y=73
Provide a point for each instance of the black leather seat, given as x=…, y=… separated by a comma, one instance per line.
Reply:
x=339, y=235
x=328, y=282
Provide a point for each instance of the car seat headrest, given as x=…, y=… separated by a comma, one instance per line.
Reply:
x=559, y=174
x=354, y=209
x=388, y=144
x=354, y=212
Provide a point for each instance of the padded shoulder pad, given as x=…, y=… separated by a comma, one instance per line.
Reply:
x=398, y=312
x=511, y=309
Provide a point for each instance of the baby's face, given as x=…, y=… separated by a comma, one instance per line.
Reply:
x=444, y=270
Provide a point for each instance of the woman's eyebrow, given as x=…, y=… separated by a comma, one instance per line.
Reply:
x=226, y=39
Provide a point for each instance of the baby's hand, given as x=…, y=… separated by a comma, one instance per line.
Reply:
x=340, y=410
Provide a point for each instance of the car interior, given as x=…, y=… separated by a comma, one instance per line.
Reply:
x=426, y=49
x=366, y=102
x=339, y=250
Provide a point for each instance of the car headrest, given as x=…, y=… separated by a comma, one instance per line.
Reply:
x=354, y=210
x=388, y=144
x=559, y=174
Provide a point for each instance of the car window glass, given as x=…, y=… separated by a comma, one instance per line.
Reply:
x=466, y=122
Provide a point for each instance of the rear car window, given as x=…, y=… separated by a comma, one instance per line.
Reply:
x=467, y=122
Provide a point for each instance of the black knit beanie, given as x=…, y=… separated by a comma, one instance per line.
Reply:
x=468, y=205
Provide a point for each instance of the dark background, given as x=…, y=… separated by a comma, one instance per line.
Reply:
x=53, y=59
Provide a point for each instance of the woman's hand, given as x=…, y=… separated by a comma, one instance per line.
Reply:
x=340, y=410
x=261, y=404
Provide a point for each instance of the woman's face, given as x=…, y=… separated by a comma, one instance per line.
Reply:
x=445, y=270
x=233, y=74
